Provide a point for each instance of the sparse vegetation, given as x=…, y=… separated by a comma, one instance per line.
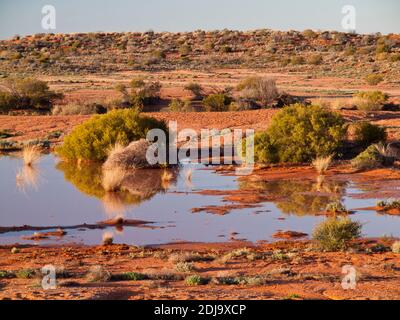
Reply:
x=178, y=105
x=366, y=133
x=262, y=91
x=26, y=93
x=77, y=109
x=374, y=79
x=92, y=139
x=300, y=134
x=321, y=164
x=336, y=208
x=195, y=280
x=217, y=102
x=30, y=154
x=196, y=89
x=370, y=100
x=372, y=157
x=185, y=267
x=334, y=234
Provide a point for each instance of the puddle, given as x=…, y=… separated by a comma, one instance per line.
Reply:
x=55, y=193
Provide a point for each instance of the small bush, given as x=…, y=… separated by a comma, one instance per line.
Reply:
x=315, y=60
x=76, y=109
x=366, y=133
x=129, y=276
x=185, y=267
x=369, y=159
x=264, y=150
x=27, y=93
x=389, y=205
x=195, y=89
x=195, y=280
x=178, y=105
x=336, y=207
x=374, y=79
x=370, y=100
x=92, y=139
x=300, y=133
x=321, y=164
x=217, y=103
x=335, y=233
x=260, y=90
x=26, y=274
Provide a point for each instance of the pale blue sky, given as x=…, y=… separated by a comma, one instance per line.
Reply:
x=24, y=16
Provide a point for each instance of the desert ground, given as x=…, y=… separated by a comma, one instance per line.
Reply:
x=287, y=264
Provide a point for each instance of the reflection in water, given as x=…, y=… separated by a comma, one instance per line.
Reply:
x=137, y=185
x=299, y=197
x=27, y=178
x=188, y=174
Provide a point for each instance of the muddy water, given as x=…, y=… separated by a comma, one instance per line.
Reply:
x=53, y=193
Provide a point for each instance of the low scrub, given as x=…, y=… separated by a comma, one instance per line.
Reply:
x=370, y=100
x=374, y=79
x=300, y=133
x=262, y=91
x=26, y=93
x=366, y=133
x=92, y=140
x=177, y=105
x=196, y=280
x=217, y=102
x=334, y=234
x=77, y=109
x=374, y=156
x=386, y=205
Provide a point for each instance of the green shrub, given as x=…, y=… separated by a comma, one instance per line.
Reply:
x=300, y=133
x=370, y=100
x=26, y=274
x=140, y=93
x=94, y=138
x=195, y=280
x=129, y=276
x=366, y=133
x=177, y=105
x=334, y=233
x=369, y=159
x=374, y=79
x=264, y=150
x=27, y=93
x=217, y=103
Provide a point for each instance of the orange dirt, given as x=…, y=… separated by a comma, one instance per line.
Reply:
x=301, y=273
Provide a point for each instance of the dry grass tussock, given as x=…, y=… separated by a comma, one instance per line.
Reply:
x=321, y=164
x=30, y=154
